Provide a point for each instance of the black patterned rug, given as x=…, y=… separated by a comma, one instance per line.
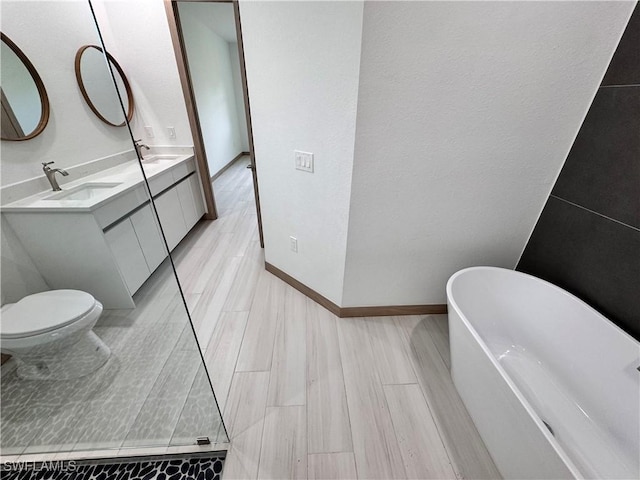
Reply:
x=192, y=468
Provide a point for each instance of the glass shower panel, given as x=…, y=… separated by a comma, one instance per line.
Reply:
x=100, y=235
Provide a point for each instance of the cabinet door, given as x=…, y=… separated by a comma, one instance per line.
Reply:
x=198, y=201
x=149, y=237
x=186, y=203
x=171, y=217
x=125, y=247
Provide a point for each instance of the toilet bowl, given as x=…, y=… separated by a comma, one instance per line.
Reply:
x=49, y=334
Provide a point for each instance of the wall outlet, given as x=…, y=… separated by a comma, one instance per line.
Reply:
x=303, y=161
x=149, y=131
x=172, y=132
x=293, y=242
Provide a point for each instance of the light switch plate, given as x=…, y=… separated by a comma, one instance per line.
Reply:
x=303, y=161
x=149, y=131
x=172, y=132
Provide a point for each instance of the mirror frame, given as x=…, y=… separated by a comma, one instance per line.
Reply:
x=125, y=81
x=44, y=98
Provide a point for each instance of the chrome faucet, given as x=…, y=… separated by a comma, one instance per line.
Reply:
x=139, y=147
x=51, y=175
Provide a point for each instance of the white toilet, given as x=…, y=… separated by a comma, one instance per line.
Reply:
x=49, y=334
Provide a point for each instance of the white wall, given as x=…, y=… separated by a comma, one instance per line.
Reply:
x=302, y=62
x=212, y=78
x=18, y=273
x=466, y=112
x=50, y=33
x=239, y=96
x=137, y=35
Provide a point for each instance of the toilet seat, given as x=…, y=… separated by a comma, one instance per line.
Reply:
x=45, y=312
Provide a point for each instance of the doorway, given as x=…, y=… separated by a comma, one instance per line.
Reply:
x=207, y=39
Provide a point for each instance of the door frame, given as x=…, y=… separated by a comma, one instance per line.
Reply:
x=175, y=28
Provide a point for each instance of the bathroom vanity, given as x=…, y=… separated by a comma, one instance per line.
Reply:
x=116, y=242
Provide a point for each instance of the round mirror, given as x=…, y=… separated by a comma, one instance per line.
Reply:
x=98, y=90
x=25, y=105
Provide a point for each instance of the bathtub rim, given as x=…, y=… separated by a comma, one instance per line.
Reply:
x=538, y=280
x=514, y=388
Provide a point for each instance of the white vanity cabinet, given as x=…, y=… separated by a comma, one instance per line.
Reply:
x=148, y=234
x=128, y=254
x=137, y=246
x=191, y=200
x=72, y=251
x=180, y=206
x=171, y=218
x=111, y=249
x=135, y=239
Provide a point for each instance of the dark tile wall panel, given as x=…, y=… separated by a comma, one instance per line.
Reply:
x=602, y=171
x=596, y=259
x=625, y=65
x=587, y=239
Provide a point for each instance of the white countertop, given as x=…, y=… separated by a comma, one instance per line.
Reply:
x=126, y=177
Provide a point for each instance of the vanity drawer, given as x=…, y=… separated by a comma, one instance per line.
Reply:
x=183, y=170
x=120, y=207
x=160, y=182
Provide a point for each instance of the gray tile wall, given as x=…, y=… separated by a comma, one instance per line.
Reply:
x=587, y=239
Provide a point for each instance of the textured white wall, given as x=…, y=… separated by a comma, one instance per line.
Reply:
x=213, y=84
x=50, y=33
x=466, y=112
x=302, y=62
x=137, y=35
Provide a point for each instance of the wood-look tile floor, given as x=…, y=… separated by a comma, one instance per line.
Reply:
x=305, y=394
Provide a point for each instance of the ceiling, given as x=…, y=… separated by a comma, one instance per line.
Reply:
x=216, y=16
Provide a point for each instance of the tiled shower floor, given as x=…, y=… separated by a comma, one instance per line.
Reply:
x=153, y=391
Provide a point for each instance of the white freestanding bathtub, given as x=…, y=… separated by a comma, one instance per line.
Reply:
x=550, y=383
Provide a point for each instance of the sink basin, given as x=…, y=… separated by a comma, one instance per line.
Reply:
x=86, y=191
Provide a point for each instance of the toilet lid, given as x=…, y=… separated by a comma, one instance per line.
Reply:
x=43, y=312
